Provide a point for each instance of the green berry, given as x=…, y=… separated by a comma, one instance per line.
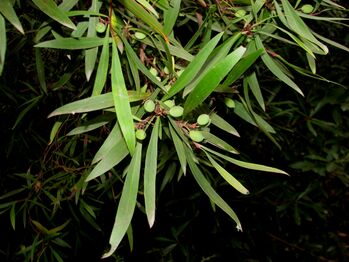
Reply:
x=101, y=27
x=240, y=13
x=169, y=103
x=229, y=102
x=307, y=9
x=203, y=119
x=149, y=106
x=140, y=134
x=176, y=111
x=196, y=136
x=140, y=36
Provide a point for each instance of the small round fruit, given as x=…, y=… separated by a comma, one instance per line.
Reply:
x=140, y=36
x=203, y=119
x=140, y=134
x=229, y=102
x=101, y=27
x=307, y=9
x=149, y=106
x=240, y=13
x=169, y=103
x=176, y=111
x=196, y=136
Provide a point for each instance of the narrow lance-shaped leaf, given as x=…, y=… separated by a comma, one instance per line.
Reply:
x=95, y=103
x=246, y=165
x=7, y=10
x=102, y=70
x=3, y=43
x=40, y=68
x=170, y=16
x=127, y=202
x=72, y=43
x=209, y=191
x=146, y=17
x=91, y=54
x=121, y=102
x=211, y=80
x=227, y=176
x=179, y=146
x=256, y=90
x=150, y=169
x=193, y=68
x=50, y=8
x=115, y=155
x=274, y=68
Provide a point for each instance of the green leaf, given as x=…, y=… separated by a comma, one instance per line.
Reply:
x=171, y=15
x=55, y=230
x=54, y=131
x=298, y=26
x=193, y=68
x=240, y=68
x=331, y=42
x=3, y=43
x=274, y=68
x=209, y=191
x=216, y=141
x=216, y=56
x=50, y=8
x=112, y=140
x=246, y=165
x=72, y=43
x=142, y=14
x=93, y=124
x=127, y=202
x=222, y=124
x=102, y=70
x=121, y=102
x=256, y=90
x=211, y=80
x=115, y=155
x=133, y=56
x=40, y=69
x=179, y=146
x=66, y=5
x=91, y=54
x=150, y=170
x=7, y=10
x=13, y=216
x=95, y=103
x=227, y=176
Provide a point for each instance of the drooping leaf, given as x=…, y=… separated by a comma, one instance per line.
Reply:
x=209, y=191
x=179, y=149
x=113, y=139
x=171, y=15
x=50, y=8
x=274, y=68
x=218, y=142
x=222, y=124
x=127, y=202
x=227, y=176
x=91, y=54
x=7, y=10
x=150, y=170
x=146, y=17
x=115, y=155
x=102, y=70
x=95, y=103
x=40, y=69
x=54, y=131
x=211, y=80
x=93, y=124
x=193, y=68
x=246, y=165
x=3, y=43
x=72, y=43
x=256, y=90
x=121, y=102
